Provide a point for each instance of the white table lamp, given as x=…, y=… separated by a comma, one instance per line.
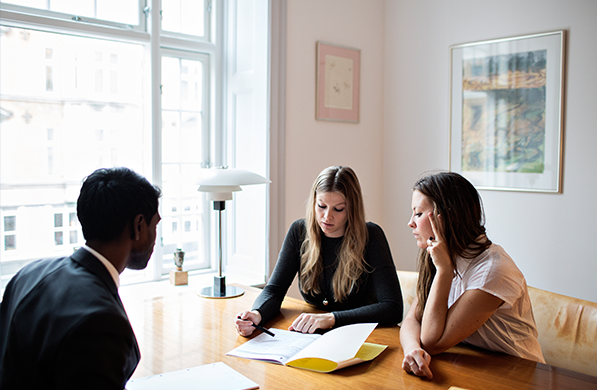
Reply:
x=219, y=183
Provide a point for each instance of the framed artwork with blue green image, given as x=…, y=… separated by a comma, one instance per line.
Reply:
x=506, y=112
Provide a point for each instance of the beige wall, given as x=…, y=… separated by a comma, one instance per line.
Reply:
x=404, y=122
x=549, y=236
x=313, y=145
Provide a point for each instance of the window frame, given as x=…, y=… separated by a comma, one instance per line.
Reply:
x=205, y=58
x=156, y=43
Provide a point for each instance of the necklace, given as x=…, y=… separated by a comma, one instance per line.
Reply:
x=329, y=250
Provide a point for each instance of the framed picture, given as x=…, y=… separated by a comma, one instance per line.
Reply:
x=506, y=112
x=338, y=83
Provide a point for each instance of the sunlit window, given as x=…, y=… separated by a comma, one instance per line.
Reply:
x=183, y=136
x=73, y=103
x=83, y=86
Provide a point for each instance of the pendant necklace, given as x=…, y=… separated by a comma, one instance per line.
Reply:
x=327, y=289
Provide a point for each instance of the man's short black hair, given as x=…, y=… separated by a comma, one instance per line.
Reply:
x=110, y=198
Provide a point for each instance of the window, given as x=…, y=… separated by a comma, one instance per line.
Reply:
x=67, y=229
x=83, y=86
x=9, y=233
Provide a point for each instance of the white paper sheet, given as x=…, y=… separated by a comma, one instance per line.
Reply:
x=279, y=349
x=216, y=376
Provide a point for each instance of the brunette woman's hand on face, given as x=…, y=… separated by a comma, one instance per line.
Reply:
x=243, y=322
x=436, y=246
x=310, y=322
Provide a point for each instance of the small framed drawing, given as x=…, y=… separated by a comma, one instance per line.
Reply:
x=338, y=83
x=506, y=112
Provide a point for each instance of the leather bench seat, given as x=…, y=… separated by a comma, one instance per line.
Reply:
x=567, y=330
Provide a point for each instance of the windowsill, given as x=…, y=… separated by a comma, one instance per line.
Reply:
x=144, y=291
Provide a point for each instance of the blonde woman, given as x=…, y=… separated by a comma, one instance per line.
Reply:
x=343, y=263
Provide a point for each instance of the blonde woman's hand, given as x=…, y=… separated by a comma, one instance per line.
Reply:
x=243, y=322
x=436, y=246
x=310, y=322
x=417, y=362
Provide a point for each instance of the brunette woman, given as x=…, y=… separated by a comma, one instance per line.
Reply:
x=469, y=289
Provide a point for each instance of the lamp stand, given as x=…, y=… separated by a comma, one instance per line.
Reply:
x=219, y=289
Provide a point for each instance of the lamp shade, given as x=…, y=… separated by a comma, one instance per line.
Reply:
x=224, y=176
x=221, y=182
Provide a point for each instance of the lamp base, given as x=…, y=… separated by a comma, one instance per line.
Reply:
x=231, y=292
x=220, y=290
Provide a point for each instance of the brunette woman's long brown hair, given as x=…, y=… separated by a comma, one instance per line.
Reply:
x=351, y=261
x=461, y=209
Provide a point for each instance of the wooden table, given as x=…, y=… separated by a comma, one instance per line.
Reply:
x=184, y=330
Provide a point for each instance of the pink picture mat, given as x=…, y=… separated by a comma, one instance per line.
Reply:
x=331, y=113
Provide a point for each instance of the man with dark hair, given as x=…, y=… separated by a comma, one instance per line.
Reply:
x=62, y=324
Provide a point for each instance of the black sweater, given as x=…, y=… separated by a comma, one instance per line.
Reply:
x=378, y=297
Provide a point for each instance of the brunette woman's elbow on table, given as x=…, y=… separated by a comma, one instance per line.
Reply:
x=434, y=348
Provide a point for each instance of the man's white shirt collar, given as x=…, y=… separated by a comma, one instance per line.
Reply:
x=109, y=266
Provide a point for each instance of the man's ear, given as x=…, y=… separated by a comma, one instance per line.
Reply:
x=138, y=226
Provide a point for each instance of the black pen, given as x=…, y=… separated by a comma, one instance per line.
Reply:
x=261, y=328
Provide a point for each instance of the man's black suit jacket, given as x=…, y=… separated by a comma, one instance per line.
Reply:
x=63, y=326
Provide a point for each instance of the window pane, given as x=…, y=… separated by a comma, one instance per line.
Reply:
x=10, y=242
x=182, y=118
x=10, y=223
x=75, y=110
x=192, y=79
x=170, y=83
x=57, y=220
x=119, y=11
x=51, y=140
x=72, y=219
x=183, y=16
x=42, y=4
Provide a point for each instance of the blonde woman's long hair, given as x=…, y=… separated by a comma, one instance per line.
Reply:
x=351, y=261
